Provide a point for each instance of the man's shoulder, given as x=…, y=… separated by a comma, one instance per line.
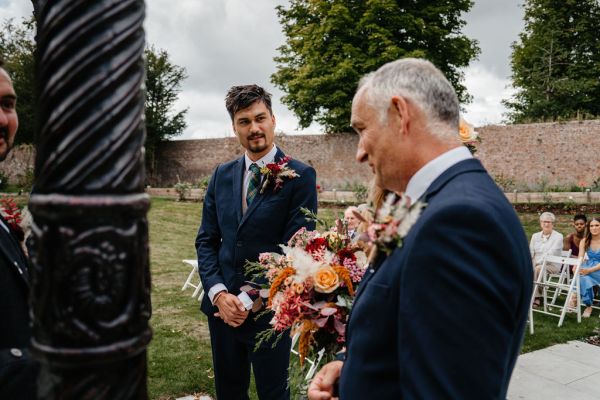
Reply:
x=298, y=165
x=227, y=166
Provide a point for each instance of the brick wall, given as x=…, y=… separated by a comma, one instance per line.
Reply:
x=532, y=155
x=331, y=155
x=550, y=153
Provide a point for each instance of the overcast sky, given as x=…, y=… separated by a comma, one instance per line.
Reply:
x=229, y=42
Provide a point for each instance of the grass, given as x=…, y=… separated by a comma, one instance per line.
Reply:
x=179, y=355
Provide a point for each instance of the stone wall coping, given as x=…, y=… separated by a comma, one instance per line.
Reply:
x=349, y=197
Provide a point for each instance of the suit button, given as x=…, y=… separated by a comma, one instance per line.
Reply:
x=239, y=244
x=16, y=352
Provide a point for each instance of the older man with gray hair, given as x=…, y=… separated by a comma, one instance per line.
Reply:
x=546, y=242
x=442, y=316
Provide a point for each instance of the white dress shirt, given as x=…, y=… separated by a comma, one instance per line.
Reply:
x=266, y=159
x=420, y=182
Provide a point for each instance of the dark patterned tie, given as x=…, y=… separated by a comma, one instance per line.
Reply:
x=253, y=183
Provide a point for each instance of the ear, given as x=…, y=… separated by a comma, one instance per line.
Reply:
x=400, y=110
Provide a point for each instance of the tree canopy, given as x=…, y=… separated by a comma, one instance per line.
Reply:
x=163, y=84
x=556, y=62
x=330, y=44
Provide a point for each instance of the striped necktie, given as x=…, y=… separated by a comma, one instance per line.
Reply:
x=253, y=183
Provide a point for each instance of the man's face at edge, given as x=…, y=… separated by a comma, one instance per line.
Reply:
x=9, y=121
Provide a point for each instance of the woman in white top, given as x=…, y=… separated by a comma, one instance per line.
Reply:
x=548, y=241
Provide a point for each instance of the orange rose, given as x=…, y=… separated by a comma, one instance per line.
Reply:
x=326, y=280
x=466, y=133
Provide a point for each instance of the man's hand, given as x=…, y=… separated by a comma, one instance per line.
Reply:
x=321, y=387
x=231, y=310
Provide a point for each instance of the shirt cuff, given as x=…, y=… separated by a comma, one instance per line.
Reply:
x=219, y=287
x=340, y=356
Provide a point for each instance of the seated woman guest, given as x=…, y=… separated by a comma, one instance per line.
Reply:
x=573, y=239
x=590, y=269
x=548, y=241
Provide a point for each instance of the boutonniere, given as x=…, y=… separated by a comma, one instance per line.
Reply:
x=392, y=222
x=274, y=174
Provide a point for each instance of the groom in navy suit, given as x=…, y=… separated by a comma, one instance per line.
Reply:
x=443, y=316
x=241, y=218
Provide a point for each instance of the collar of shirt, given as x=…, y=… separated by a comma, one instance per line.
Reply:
x=266, y=159
x=261, y=162
x=424, y=177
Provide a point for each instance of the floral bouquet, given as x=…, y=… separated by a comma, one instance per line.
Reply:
x=311, y=287
x=392, y=222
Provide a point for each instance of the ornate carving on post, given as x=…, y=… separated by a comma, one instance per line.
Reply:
x=91, y=284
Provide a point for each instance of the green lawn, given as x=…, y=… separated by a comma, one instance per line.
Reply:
x=179, y=355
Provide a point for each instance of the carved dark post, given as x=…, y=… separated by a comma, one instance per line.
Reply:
x=91, y=284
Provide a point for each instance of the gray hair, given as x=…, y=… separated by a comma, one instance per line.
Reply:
x=422, y=83
x=547, y=216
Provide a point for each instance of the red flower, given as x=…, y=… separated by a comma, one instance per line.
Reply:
x=316, y=245
x=274, y=168
x=10, y=211
x=346, y=253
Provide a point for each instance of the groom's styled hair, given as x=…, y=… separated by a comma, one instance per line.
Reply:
x=240, y=97
x=421, y=82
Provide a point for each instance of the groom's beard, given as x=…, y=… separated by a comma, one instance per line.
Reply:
x=258, y=146
x=7, y=145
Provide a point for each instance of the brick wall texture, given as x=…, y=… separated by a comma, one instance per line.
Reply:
x=529, y=155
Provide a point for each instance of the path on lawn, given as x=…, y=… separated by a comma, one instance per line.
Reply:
x=564, y=371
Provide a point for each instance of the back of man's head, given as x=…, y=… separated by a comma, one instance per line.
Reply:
x=421, y=82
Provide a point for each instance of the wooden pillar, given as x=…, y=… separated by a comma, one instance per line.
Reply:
x=89, y=249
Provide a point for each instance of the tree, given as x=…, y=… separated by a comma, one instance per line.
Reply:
x=331, y=43
x=17, y=46
x=556, y=63
x=163, y=84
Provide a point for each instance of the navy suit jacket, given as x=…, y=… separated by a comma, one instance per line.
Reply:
x=443, y=316
x=227, y=237
x=14, y=289
x=17, y=373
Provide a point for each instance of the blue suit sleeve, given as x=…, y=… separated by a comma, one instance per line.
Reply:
x=462, y=298
x=208, y=240
x=304, y=196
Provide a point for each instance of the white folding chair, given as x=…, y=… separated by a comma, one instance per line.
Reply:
x=563, y=277
x=571, y=288
x=314, y=364
x=198, y=290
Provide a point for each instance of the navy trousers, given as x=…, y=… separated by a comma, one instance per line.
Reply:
x=233, y=356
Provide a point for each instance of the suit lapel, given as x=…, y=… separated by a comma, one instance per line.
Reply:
x=13, y=253
x=238, y=179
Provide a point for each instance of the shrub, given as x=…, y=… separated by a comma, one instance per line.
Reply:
x=183, y=189
x=360, y=192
